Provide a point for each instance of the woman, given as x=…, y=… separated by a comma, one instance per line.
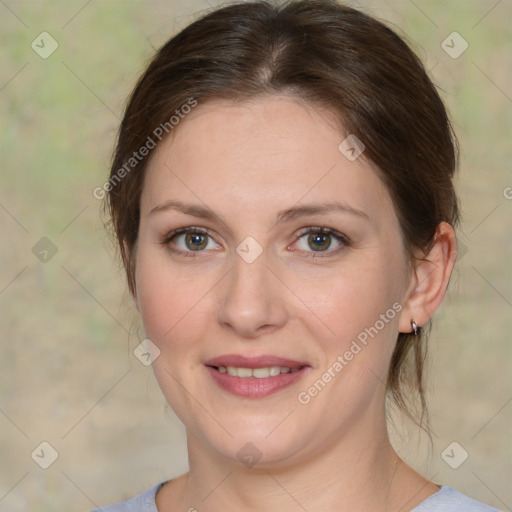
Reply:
x=282, y=197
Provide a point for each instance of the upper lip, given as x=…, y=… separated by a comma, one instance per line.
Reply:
x=263, y=361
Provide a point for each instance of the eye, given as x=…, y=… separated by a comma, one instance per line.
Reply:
x=321, y=240
x=189, y=240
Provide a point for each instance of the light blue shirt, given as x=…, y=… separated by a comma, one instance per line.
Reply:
x=446, y=499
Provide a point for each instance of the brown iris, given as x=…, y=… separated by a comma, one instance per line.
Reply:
x=319, y=241
x=196, y=241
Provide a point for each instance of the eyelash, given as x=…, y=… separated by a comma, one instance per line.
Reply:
x=173, y=234
x=340, y=237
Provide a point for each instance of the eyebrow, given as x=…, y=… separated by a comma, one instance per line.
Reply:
x=316, y=209
x=189, y=209
x=282, y=216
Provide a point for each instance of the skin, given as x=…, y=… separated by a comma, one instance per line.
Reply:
x=246, y=162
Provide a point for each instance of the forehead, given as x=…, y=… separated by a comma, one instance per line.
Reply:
x=260, y=156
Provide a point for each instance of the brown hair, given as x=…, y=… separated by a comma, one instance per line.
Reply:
x=332, y=56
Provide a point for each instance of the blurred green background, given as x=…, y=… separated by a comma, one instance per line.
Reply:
x=68, y=374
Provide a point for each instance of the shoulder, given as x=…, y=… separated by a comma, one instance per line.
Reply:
x=448, y=499
x=144, y=502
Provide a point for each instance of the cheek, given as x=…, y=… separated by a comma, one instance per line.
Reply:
x=169, y=315
x=359, y=317
x=348, y=301
x=166, y=300
x=173, y=309
x=357, y=311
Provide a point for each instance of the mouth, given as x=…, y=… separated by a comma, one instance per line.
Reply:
x=255, y=377
x=256, y=373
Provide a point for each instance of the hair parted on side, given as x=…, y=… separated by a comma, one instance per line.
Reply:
x=334, y=57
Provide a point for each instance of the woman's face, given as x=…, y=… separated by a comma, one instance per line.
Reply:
x=289, y=257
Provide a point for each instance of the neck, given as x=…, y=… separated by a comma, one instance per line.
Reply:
x=349, y=475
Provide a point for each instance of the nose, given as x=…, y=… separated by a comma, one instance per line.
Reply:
x=252, y=300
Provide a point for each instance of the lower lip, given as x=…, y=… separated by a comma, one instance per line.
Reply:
x=252, y=387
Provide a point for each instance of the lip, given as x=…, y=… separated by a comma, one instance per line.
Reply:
x=252, y=387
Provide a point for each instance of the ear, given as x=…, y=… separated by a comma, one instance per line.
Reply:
x=429, y=279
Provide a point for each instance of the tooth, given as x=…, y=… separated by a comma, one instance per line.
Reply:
x=261, y=373
x=258, y=373
x=244, y=372
x=274, y=371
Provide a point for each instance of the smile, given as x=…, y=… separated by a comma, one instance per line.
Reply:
x=255, y=377
x=257, y=373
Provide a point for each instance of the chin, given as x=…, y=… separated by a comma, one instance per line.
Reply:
x=259, y=444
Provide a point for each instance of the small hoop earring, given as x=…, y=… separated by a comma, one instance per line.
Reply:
x=415, y=328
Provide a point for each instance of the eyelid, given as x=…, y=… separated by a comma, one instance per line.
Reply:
x=169, y=237
x=323, y=230
x=180, y=231
x=340, y=237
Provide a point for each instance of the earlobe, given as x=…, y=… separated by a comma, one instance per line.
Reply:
x=429, y=279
